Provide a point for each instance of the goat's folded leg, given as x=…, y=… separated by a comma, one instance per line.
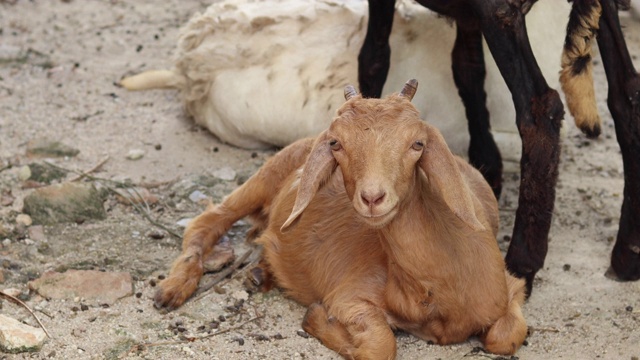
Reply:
x=366, y=335
x=507, y=334
x=469, y=74
x=624, y=104
x=200, y=237
x=539, y=112
x=204, y=231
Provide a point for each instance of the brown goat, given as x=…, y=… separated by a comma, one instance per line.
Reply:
x=375, y=226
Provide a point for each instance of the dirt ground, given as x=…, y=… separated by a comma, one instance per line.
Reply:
x=58, y=64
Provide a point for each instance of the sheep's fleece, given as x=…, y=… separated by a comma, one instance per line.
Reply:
x=263, y=73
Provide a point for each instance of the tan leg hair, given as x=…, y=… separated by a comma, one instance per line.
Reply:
x=576, y=76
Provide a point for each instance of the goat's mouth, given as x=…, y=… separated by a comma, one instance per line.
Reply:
x=379, y=220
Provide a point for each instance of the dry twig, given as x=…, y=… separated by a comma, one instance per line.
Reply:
x=222, y=275
x=85, y=173
x=19, y=302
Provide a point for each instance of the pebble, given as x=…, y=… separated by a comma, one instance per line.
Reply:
x=24, y=173
x=135, y=154
x=197, y=196
x=6, y=242
x=240, y=295
x=184, y=222
x=225, y=173
x=36, y=233
x=66, y=202
x=24, y=219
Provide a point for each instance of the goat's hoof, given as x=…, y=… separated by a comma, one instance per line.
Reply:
x=592, y=131
x=173, y=292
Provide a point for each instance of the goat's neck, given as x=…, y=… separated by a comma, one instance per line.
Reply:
x=424, y=233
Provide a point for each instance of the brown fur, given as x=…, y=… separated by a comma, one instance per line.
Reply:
x=576, y=76
x=419, y=255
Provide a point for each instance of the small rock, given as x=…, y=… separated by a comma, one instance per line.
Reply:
x=4, y=232
x=12, y=292
x=36, y=233
x=49, y=148
x=136, y=195
x=184, y=222
x=16, y=337
x=24, y=173
x=24, y=219
x=197, y=196
x=45, y=174
x=67, y=202
x=98, y=286
x=6, y=242
x=240, y=295
x=6, y=199
x=225, y=173
x=135, y=154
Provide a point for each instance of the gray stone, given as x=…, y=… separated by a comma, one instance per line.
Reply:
x=67, y=202
x=50, y=148
x=92, y=285
x=225, y=173
x=44, y=174
x=16, y=337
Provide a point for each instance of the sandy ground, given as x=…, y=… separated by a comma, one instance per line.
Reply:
x=58, y=64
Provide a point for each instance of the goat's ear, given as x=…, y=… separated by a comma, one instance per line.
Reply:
x=317, y=170
x=442, y=170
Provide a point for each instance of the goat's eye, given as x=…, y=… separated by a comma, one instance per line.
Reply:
x=335, y=145
x=418, y=145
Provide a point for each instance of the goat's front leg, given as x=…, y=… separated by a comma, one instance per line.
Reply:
x=469, y=73
x=204, y=231
x=539, y=112
x=199, y=239
x=375, y=54
x=365, y=335
x=624, y=104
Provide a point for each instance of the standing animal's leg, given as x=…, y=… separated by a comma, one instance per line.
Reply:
x=365, y=335
x=204, y=231
x=375, y=54
x=624, y=104
x=539, y=112
x=469, y=74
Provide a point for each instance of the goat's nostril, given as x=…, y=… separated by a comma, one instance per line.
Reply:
x=372, y=199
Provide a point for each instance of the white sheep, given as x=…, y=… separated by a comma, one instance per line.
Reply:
x=374, y=225
x=263, y=73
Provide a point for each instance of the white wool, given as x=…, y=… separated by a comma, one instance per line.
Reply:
x=263, y=73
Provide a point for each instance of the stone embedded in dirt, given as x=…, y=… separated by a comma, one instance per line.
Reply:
x=16, y=337
x=67, y=202
x=36, y=233
x=226, y=173
x=24, y=219
x=50, y=148
x=197, y=196
x=6, y=199
x=92, y=285
x=135, y=154
x=44, y=174
x=136, y=195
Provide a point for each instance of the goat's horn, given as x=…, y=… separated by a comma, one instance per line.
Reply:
x=349, y=92
x=409, y=89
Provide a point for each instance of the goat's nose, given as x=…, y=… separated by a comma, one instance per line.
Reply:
x=372, y=198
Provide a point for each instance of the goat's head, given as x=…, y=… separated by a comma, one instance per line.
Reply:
x=379, y=146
